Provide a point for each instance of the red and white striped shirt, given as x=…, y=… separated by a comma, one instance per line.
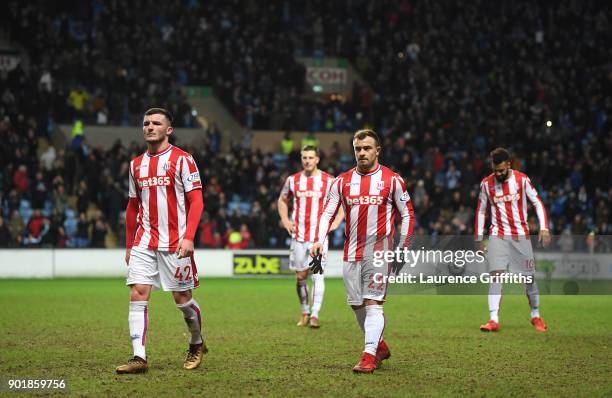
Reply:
x=160, y=182
x=308, y=195
x=508, y=206
x=370, y=202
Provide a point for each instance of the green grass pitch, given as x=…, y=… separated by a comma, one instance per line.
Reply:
x=77, y=329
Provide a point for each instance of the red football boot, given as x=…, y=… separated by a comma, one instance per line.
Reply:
x=382, y=352
x=367, y=364
x=538, y=324
x=490, y=326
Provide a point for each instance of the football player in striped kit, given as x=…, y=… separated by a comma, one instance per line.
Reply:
x=307, y=191
x=371, y=196
x=163, y=212
x=505, y=193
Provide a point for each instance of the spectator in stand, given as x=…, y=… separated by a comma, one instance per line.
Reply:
x=39, y=193
x=99, y=229
x=237, y=219
x=36, y=229
x=310, y=140
x=233, y=239
x=60, y=199
x=11, y=201
x=47, y=159
x=17, y=228
x=222, y=223
x=82, y=197
x=207, y=232
x=21, y=182
x=6, y=239
x=82, y=231
x=287, y=144
x=453, y=177
x=246, y=236
x=78, y=100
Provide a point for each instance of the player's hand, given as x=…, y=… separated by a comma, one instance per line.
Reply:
x=289, y=226
x=315, y=265
x=544, y=237
x=316, y=249
x=481, y=246
x=185, y=248
x=127, y=255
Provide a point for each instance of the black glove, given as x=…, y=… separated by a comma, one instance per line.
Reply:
x=315, y=265
x=396, y=266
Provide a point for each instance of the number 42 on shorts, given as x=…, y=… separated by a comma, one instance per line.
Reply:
x=183, y=273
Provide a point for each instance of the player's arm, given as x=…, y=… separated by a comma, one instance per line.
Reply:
x=534, y=198
x=131, y=215
x=337, y=220
x=403, y=203
x=283, y=208
x=481, y=213
x=331, y=207
x=190, y=177
x=196, y=206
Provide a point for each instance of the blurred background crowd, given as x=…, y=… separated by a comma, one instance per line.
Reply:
x=446, y=83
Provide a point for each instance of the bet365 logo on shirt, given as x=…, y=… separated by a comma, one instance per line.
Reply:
x=506, y=198
x=309, y=194
x=153, y=182
x=364, y=200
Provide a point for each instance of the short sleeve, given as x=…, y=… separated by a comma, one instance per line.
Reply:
x=286, y=191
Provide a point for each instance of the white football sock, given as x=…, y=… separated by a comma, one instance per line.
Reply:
x=138, y=321
x=360, y=316
x=374, y=327
x=533, y=295
x=495, y=295
x=302, y=292
x=318, y=289
x=193, y=319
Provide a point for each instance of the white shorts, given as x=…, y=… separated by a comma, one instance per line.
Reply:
x=360, y=283
x=299, y=255
x=161, y=269
x=507, y=254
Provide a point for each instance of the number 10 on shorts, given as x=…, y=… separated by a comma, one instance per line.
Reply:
x=183, y=273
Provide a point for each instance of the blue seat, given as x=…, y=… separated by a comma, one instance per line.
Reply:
x=232, y=206
x=279, y=158
x=47, y=208
x=25, y=210
x=70, y=227
x=245, y=207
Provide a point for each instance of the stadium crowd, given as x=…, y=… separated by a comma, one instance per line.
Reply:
x=445, y=85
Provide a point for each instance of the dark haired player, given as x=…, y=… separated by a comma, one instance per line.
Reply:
x=307, y=191
x=163, y=212
x=506, y=192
